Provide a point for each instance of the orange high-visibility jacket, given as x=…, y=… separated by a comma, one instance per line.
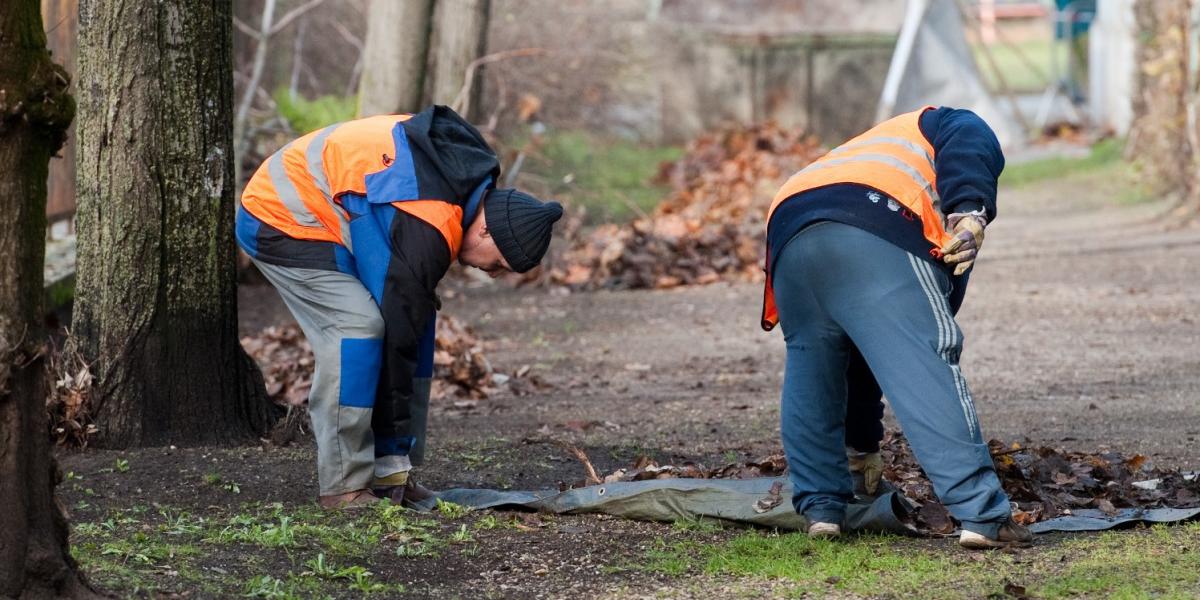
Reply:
x=893, y=157
x=375, y=198
x=299, y=189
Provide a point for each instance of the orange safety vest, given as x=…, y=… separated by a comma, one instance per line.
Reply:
x=893, y=157
x=297, y=189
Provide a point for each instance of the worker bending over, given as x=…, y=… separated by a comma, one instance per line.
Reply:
x=355, y=225
x=867, y=249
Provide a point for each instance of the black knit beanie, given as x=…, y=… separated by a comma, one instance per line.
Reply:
x=521, y=226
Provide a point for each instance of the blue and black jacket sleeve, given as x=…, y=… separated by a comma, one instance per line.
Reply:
x=967, y=158
x=420, y=257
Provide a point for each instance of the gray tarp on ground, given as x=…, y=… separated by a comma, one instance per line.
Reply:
x=683, y=499
x=734, y=500
x=1096, y=520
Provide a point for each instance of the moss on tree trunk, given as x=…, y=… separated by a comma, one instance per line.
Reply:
x=156, y=292
x=35, y=110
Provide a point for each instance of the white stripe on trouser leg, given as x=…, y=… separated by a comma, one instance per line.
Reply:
x=960, y=381
x=964, y=395
x=915, y=262
x=947, y=334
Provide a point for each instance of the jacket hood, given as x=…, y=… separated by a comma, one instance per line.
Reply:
x=454, y=147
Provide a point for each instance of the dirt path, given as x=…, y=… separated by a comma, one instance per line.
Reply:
x=1081, y=327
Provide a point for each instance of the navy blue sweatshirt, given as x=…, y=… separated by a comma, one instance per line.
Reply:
x=967, y=161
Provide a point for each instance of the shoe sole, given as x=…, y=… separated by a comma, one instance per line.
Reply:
x=988, y=544
x=824, y=533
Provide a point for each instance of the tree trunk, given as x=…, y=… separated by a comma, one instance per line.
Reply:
x=1160, y=136
x=35, y=111
x=459, y=37
x=394, y=56
x=156, y=297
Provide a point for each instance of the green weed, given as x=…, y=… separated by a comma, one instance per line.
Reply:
x=451, y=510
x=306, y=115
x=611, y=178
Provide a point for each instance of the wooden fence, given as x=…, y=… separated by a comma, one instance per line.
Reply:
x=61, y=18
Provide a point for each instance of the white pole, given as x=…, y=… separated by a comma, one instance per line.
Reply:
x=914, y=14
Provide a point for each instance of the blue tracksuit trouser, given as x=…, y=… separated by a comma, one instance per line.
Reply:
x=838, y=287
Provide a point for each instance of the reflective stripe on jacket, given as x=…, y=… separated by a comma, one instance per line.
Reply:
x=893, y=157
x=300, y=190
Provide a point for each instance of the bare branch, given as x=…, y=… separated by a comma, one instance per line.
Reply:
x=260, y=62
x=582, y=457
x=292, y=15
x=246, y=29
x=462, y=103
x=348, y=35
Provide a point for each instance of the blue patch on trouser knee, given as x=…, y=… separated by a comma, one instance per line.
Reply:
x=361, y=360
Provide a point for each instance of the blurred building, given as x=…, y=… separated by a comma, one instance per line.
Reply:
x=817, y=64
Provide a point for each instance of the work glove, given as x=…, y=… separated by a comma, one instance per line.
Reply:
x=870, y=465
x=967, y=231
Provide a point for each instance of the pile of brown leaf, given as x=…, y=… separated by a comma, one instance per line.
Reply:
x=67, y=401
x=286, y=360
x=459, y=364
x=710, y=228
x=1043, y=482
x=460, y=367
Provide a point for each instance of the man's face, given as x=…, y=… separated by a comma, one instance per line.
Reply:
x=486, y=257
x=479, y=249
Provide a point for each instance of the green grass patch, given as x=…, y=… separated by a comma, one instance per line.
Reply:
x=1161, y=562
x=1015, y=68
x=314, y=552
x=1105, y=155
x=610, y=178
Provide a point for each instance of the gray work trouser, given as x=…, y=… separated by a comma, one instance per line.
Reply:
x=835, y=285
x=340, y=319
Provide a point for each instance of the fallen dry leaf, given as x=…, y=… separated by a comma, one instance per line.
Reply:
x=709, y=228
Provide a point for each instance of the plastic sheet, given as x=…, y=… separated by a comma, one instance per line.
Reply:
x=735, y=500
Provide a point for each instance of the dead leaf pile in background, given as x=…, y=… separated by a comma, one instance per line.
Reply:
x=1044, y=482
x=710, y=228
x=286, y=360
x=460, y=368
x=67, y=402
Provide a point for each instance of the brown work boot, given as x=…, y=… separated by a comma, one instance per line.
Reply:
x=418, y=497
x=348, y=501
x=1011, y=535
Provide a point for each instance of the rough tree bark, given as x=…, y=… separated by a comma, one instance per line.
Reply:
x=394, y=56
x=35, y=110
x=1164, y=135
x=459, y=37
x=156, y=298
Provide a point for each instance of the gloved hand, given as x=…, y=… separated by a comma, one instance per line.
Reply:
x=870, y=465
x=967, y=229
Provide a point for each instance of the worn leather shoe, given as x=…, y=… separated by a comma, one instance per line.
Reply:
x=418, y=497
x=1011, y=535
x=348, y=501
x=824, y=530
